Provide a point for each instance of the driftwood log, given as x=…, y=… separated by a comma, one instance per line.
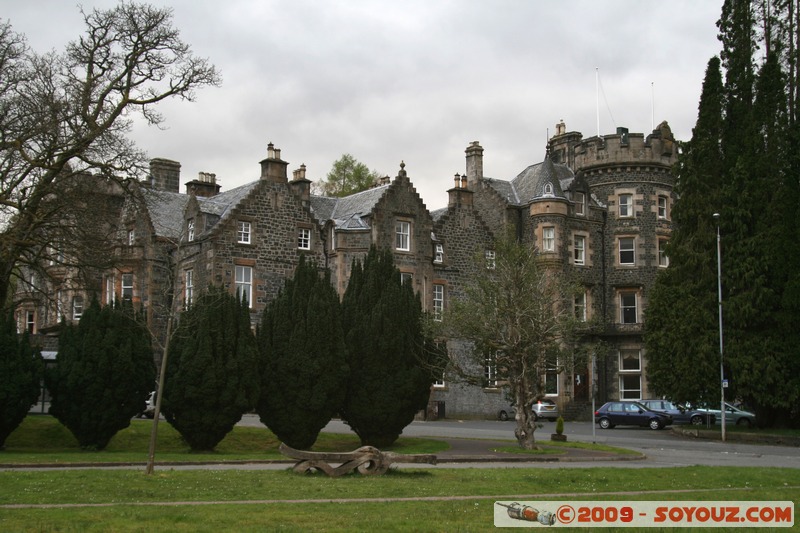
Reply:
x=366, y=460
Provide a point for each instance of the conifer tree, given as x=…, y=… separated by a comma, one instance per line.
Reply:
x=21, y=371
x=103, y=375
x=302, y=358
x=748, y=173
x=681, y=333
x=390, y=376
x=211, y=376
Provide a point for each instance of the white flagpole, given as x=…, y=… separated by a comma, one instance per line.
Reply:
x=597, y=96
x=652, y=107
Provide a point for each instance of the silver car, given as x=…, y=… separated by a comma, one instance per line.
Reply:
x=543, y=408
x=733, y=415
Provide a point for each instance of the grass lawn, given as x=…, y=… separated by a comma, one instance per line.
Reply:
x=407, y=499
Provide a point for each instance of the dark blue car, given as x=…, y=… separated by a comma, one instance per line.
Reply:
x=630, y=413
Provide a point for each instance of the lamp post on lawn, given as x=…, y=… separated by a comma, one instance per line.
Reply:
x=719, y=300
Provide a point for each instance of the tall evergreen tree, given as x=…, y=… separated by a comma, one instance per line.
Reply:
x=211, y=378
x=681, y=333
x=754, y=188
x=302, y=358
x=21, y=373
x=103, y=374
x=390, y=375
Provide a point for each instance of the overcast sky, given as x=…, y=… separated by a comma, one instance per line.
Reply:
x=412, y=80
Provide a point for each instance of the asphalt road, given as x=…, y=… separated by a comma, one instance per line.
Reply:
x=663, y=448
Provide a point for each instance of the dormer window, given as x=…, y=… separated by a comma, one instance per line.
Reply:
x=190, y=230
x=580, y=203
x=548, y=189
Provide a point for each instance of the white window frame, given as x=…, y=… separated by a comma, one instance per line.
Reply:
x=303, y=238
x=625, y=306
x=438, y=256
x=127, y=285
x=188, y=287
x=549, y=239
x=550, y=376
x=243, y=232
x=490, y=372
x=580, y=204
x=626, y=393
x=580, y=250
x=630, y=373
x=406, y=278
x=190, y=230
x=625, y=205
x=402, y=240
x=438, y=301
x=111, y=294
x=131, y=237
x=491, y=259
x=579, y=304
x=663, y=258
x=77, y=307
x=30, y=322
x=663, y=202
x=244, y=283
x=627, y=250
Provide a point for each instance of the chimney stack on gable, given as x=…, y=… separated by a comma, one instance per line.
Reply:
x=301, y=186
x=205, y=185
x=460, y=195
x=273, y=168
x=165, y=175
x=474, y=163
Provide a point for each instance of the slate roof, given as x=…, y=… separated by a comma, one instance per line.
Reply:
x=166, y=211
x=223, y=203
x=530, y=184
x=348, y=212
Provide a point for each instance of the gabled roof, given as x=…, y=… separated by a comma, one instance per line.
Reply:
x=165, y=210
x=222, y=204
x=348, y=212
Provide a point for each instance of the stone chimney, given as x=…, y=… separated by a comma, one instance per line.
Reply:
x=273, y=168
x=460, y=195
x=165, y=175
x=301, y=187
x=474, y=163
x=205, y=185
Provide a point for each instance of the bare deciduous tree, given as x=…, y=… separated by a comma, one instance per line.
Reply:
x=65, y=116
x=517, y=320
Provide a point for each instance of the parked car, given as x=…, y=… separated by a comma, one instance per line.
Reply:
x=733, y=415
x=680, y=413
x=150, y=407
x=543, y=408
x=630, y=413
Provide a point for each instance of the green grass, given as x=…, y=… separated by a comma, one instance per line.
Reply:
x=556, y=447
x=406, y=499
x=285, y=501
x=42, y=439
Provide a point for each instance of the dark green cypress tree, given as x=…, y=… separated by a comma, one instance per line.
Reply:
x=211, y=378
x=302, y=358
x=103, y=374
x=20, y=377
x=681, y=318
x=390, y=378
x=763, y=359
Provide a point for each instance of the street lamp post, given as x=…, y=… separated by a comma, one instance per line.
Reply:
x=719, y=300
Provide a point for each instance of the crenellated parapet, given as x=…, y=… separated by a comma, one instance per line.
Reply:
x=621, y=149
